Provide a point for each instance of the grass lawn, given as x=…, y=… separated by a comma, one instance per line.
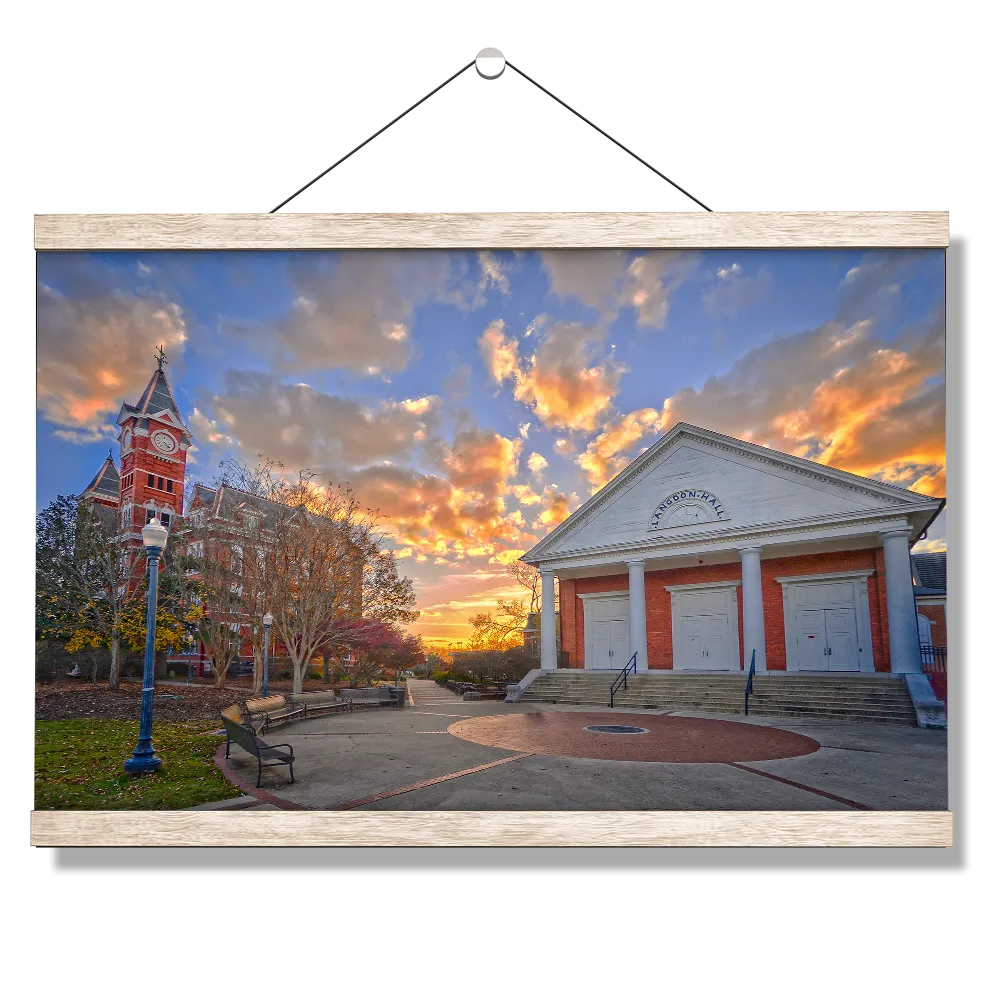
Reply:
x=78, y=765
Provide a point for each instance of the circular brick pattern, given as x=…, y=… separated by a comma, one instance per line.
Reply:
x=670, y=738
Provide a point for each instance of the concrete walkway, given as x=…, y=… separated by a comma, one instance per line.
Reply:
x=408, y=759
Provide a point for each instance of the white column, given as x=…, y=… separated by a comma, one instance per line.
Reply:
x=637, y=613
x=549, y=660
x=753, y=610
x=901, y=610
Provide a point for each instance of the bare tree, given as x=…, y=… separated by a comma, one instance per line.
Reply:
x=323, y=570
x=529, y=578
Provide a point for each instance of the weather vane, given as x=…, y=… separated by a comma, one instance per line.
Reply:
x=161, y=358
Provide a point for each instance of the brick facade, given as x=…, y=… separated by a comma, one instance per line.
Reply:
x=659, y=632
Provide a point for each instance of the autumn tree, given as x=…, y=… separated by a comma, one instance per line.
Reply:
x=90, y=581
x=500, y=629
x=329, y=576
x=377, y=648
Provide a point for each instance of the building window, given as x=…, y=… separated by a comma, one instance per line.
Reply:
x=170, y=486
x=150, y=479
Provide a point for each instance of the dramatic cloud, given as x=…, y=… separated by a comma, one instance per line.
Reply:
x=556, y=507
x=836, y=395
x=354, y=309
x=452, y=508
x=97, y=334
x=306, y=428
x=604, y=457
x=565, y=382
x=609, y=280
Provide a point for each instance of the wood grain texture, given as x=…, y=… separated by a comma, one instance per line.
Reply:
x=491, y=829
x=499, y=231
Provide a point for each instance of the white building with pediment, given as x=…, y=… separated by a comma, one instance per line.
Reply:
x=708, y=552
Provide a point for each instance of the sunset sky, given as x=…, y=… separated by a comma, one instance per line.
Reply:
x=475, y=399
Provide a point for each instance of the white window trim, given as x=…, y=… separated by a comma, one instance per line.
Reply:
x=862, y=612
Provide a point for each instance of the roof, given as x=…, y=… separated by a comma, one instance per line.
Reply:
x=156, y=399
x=231, y=504
x=888, y=494
x=106, y=483
x=930, y=573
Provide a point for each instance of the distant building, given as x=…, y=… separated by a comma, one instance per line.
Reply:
x=149, y=482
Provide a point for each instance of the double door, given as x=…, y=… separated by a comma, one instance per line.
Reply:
x=705, y=641
x=609, y=643
x=827, y=639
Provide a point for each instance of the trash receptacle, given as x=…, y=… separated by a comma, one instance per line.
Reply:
x=399, y=694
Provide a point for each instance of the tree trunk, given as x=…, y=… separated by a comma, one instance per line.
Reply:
x=298, y=669
x=326, y=667
x=258, y=671
x=115, y=654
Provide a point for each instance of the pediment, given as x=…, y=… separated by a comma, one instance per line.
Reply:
x=695, y=482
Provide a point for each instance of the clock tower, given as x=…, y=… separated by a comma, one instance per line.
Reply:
x=154, y=444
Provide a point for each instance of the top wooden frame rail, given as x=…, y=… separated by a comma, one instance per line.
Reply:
x=513, y=231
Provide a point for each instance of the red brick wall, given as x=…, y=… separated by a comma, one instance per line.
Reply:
x=939, y=624
x=659, y=634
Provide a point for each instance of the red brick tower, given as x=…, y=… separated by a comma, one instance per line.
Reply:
x=154, y=444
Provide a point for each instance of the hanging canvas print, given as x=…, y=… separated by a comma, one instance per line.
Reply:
x=400, y=539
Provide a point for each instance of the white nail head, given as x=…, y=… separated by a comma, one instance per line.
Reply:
x=490, y=63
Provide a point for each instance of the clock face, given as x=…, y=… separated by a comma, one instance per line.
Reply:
x=164, y=442
x=127, y=439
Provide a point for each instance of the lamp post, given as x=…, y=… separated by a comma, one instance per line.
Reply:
x=144, y=759
x=268, y=621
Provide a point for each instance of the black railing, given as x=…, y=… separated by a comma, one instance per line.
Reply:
x=749, y=687
x=934, y=659
x=622, y=679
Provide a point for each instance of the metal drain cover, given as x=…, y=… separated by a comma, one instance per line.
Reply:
x=616, y=730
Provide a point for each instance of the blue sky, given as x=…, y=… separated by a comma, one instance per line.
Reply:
x=476, y=398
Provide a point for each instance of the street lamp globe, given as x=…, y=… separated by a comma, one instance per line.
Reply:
x=154, y=535
x=268, y=619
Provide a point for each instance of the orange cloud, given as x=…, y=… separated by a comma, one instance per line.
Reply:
x=839, y=396
x=564, y=382
x=604, y=456
x=96, y=349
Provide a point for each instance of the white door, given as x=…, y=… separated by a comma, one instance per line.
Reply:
x=843, y=652
x=704, y=630
x=717, y=641
x=810, y=639
x=620, y=653
x=609, y=636
x=825, y=635
x=600, y=644
x=692, y=644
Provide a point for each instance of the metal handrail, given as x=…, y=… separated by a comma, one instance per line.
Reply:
x=622, y=679
x=749, y=687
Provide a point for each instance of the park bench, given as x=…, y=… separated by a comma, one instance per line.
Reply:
x=267, y=756
x=270, y=710
x=372, y=696
x=319, y=702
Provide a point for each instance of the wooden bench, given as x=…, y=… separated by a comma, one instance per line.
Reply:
x=275, y=708
x=238, y=714
x=267, y=755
